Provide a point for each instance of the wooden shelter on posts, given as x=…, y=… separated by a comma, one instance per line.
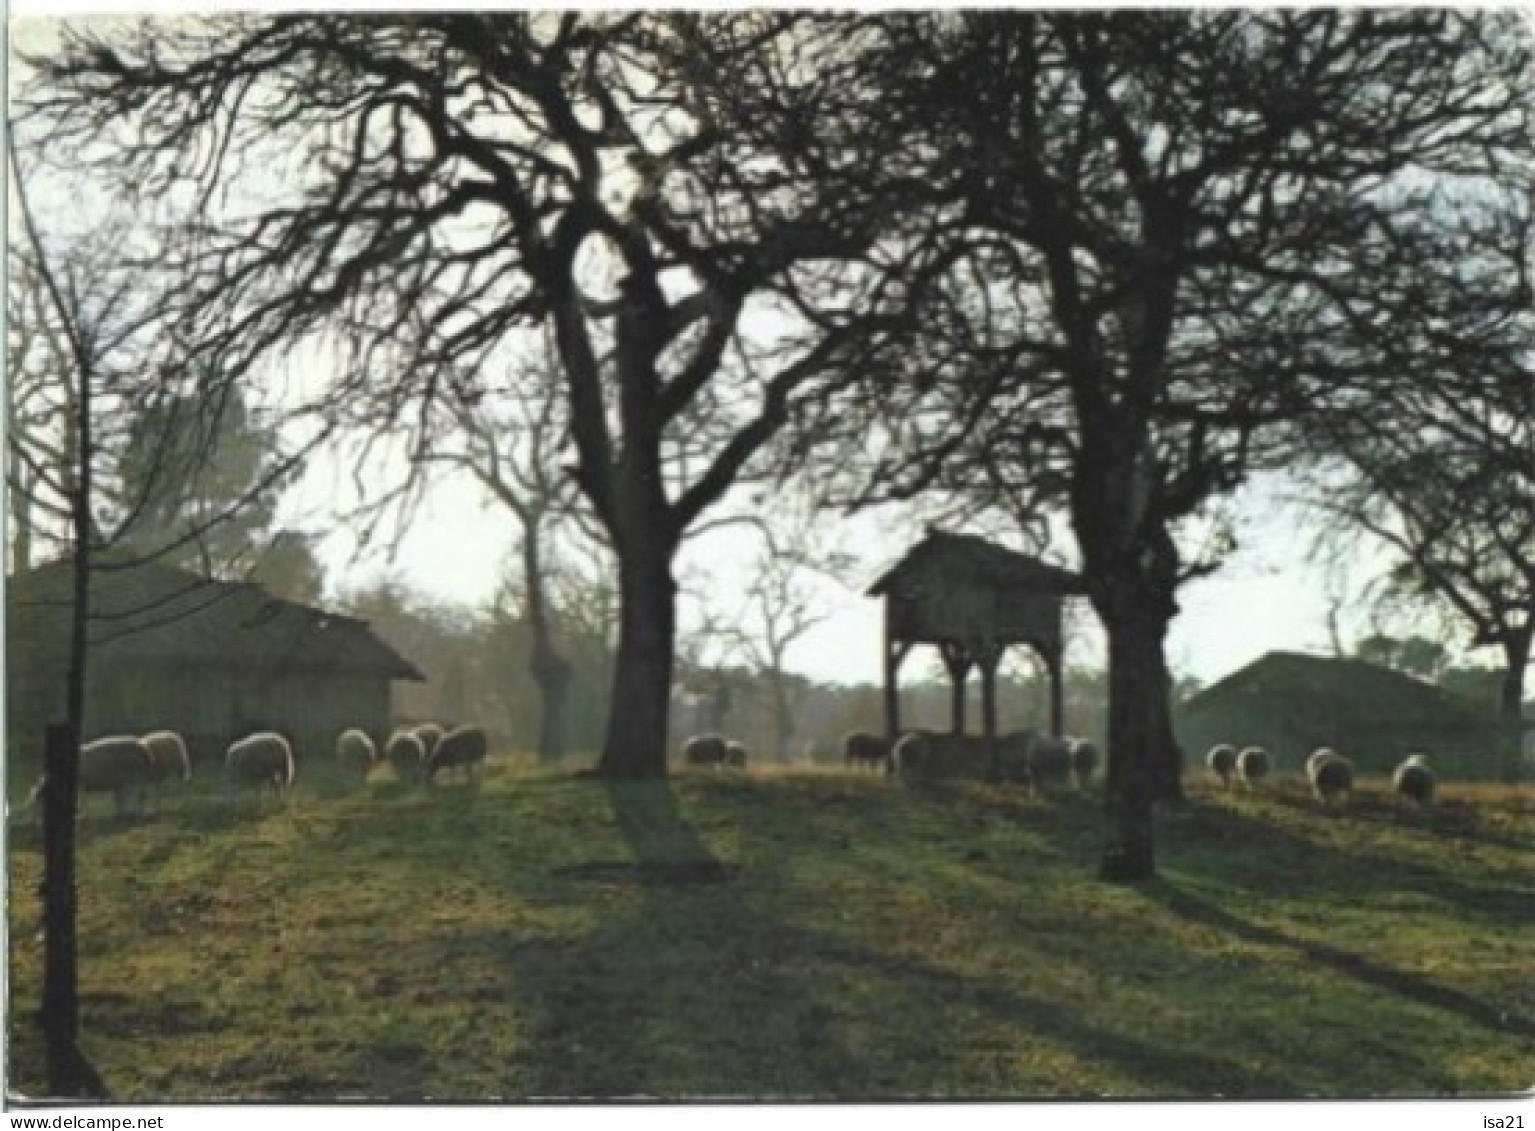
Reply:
x=972, y=600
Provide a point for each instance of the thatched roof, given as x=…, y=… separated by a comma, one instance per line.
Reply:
x=153, y=614
x=971, y=559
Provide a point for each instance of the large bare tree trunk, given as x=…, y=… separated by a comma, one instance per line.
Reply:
x=1516, y=654
x=1136, y=773
x=1131, y=563
x=635, y=746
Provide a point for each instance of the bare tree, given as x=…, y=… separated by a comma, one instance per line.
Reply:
x=88, y=316
x=658, y=188
x=779, y=606
x=106, y=357
x=1440, y=468
x=513, y=439
x=1159, y=210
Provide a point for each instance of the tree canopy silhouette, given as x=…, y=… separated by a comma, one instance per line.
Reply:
x=700, y=206
x=1169, y=225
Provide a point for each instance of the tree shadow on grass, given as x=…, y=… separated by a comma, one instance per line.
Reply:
x=1243, y=849
x=1355, y=966
x=682, y=990
x=699, y=984
x=942, y=1021
x=1230, y=846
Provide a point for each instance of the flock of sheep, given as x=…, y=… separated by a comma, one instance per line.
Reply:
x=714, y=750
x=127, y=766
x=1024, y=756
x=130, y=767
x=1038, y=760
x=417, y=754
x=1331, y=774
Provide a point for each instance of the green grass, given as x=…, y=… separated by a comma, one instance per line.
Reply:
x=789, y=935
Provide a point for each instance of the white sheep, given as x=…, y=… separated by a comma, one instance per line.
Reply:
x=912, y=755
x=430, y=735
x=404, y=751
x=1331, y=774
x=704, y=750
x=168, y=758
x=1252, y=766
x=1012, y=762
x=259, y=761
x=1049, y=760
x=1084, y=760
x=925, y=754
x=1414, y=779
x=462, y=747
x=355, y=752
x=117, y=764
x=1318, y=756
x=1222, y=761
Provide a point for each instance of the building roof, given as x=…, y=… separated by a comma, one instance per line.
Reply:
x=160, y=615
x=1301, y=701
x=976, y=560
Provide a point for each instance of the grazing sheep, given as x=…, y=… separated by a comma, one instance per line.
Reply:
x=406, y=754
x=924, y=754
x=736, y=755
x=1222, y=761
x=461, y=748
x=1084, y=760
x=860, y=748
x=704, y=750
x=1012, y=762
x=118, y=764
x=259, y=761
x=1049, y=759
x=168, y=757
x=430, y=735
x=912, y=753
x=356, y=752
x=1314, y=762
x=1331, y=774
x=1415, y=780
x=1252, y=766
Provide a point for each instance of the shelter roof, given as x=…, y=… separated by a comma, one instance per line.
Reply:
x=1357, y=695
x=973, y=560
x=151, y=613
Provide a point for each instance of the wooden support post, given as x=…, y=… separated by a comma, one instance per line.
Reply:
x=958, y=660
x=1057, y=711
x=989, y=656
x=895, y=652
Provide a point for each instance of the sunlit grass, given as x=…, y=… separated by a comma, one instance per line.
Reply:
x=789, y=934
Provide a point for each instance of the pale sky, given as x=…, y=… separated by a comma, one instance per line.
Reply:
x=1267, y=596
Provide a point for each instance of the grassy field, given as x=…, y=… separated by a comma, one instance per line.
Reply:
x=790, y=935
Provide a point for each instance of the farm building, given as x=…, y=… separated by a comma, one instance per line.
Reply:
x=211, y=659
x=972, y=600
x=1294, y=703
